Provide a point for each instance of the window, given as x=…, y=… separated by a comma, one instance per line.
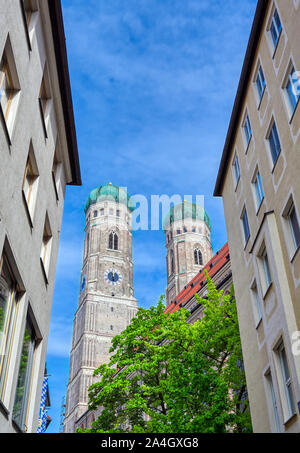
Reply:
x=56, y=173
x=44, y=101
x=194, y=230
x=274, y=402
x=266, y=268
x=185, y=230
x=111, y=212
x=95, y=214
x=275, y=28
x=198, y=257
x=8, y=313
x=178, y=231
x=258, y=189
x=118, y=213
x=274, y=143
x=28, y=10
x=30, y=183
x=294, y=226
x=113, y=241
x=20, y=409
x=245, y=225
x=236, y=169
x=172, y=262
x=46, y=247
x=247, y=130
x=102, y=211
x=257, y=304
x=286, y=381
x=260, y=83
x=9, y=88
x=292, y=89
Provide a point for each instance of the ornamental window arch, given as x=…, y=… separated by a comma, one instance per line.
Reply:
x=198, y=257
x=113, y=241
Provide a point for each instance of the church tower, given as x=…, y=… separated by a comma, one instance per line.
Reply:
x=106, y=301
x=188, y=241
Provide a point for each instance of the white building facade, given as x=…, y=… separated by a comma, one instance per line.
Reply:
x=39, y=156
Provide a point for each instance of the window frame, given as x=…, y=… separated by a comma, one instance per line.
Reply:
x=275, y=26
x=292, y=98
x=260, y=77
x=9, y=326
x=246, y=226
x=273, y=141
x=198, y=257
x=247, y=130
x=236, y=170
x=289, y=406
x=25, y=401
x=258, y=189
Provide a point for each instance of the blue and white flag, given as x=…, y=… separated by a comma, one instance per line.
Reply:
x=43, y=412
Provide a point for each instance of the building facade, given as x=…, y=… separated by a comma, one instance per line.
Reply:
x=219, y=270
x=106, y=302
x=39, y=156
x=187, y=230
x=259, y=181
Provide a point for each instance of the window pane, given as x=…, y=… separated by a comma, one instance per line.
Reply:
x=22, y=391
x=237, y=169
x=295, y=226
x=274, y=141
x=246, y=226
x=277, y=21
x=258, y=189
x=7, y=317
x=266, y=268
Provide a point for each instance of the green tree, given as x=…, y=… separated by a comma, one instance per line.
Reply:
x=167, y=376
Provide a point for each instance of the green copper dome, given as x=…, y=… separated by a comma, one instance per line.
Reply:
x=186, y=210
x=109, y=192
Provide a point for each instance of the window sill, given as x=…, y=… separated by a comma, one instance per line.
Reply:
x=27, y=210
x=259, y=207
x=261, y=98
x=294, y=112
x=17, y=427
x=43, y=119
x=44, y=272
x=25, y=25
x=7, y=134
x=258, y=323
x=248, y=144
x=246, y=243
x=267, y=290
x=290, y=418
x=55, y=187
x=275, y=163
x=237, y=184
x=277, y=44
x=3, y=410
x=295, y=253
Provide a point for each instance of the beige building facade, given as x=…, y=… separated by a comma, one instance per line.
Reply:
x=39, y=157
x=259, y=182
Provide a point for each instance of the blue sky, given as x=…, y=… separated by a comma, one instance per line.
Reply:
x=153, y=84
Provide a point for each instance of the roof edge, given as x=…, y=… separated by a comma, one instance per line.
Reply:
x=59, y=41
x=259, y=17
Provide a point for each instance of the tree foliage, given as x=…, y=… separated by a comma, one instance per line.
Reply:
x=168, y=376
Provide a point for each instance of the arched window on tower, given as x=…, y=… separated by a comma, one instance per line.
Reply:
x=113, y=242
x=198, y=257
x=172, y=262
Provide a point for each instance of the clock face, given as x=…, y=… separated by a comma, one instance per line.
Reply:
x=113, y=277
